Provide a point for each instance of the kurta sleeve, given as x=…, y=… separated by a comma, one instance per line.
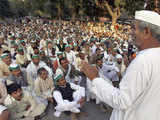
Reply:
x=36, y=108
x=51, y=84
x=131, y=87
x=61, y=104
x=11, y=106
x=78, y=88
x=32, y=102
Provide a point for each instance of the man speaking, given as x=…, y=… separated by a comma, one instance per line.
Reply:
x=138, y=96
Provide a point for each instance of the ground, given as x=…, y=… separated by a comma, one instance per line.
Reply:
x=93, y=111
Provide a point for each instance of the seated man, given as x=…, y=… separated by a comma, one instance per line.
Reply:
x=104, y=70
x=21, y=58
x=70, y=55
x=68, y=96
x=22, y=104
x=32, y=68
x=55, y=62
x=111, y=71
x=120, y=64
x=17, y=76
x=44, y=85
x=81, y=57
x=71, y=74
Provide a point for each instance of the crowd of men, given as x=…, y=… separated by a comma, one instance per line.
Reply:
x=41, y=63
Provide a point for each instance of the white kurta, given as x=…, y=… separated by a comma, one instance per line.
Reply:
x=71, y=57
x=21, y=59
x=29, y=52
x=66, y=105
x=44, y=88
x=138, y=95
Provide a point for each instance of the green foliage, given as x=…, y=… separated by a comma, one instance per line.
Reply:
x=67, y=8
x=134, y=5
x=120, y=3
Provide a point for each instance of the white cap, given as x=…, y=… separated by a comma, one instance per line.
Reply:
x=118, y=56
x=148, y=16
x=83, y=52
x=14, y=66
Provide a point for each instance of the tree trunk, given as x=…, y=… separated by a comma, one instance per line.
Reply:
x=114, y=19
x=115, y=14
x=59, y=11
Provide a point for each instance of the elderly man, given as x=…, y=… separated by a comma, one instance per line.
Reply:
x=138, y=95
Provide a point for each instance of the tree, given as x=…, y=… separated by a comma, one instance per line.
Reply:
x=76, y=8
x=114, y=10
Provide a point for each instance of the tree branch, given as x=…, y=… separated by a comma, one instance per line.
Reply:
x=119, y=12
x=108, y=8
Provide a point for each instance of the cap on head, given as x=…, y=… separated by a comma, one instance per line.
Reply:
x=59, y=53
x=14, y=66
x=22, y=41
x=4, y=55
x=148, y=16
x=20, y=49
x=35, y=56
x=57, y=77
x=67, y=46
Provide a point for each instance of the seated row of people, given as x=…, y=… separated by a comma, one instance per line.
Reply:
x=27, y=99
